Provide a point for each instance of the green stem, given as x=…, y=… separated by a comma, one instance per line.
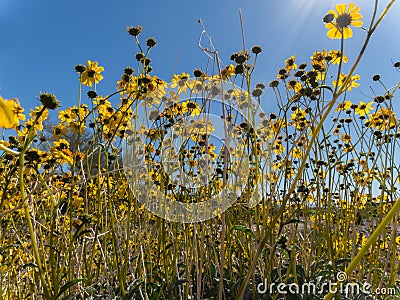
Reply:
x=372, y=239
x=35, y=248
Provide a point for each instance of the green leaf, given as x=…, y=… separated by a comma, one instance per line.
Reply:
x=246, y=230
x=291, y=221
x=69, y=285
x=325, y=87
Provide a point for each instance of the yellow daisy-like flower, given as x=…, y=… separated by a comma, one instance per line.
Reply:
x=383, y=119
x=179, y=80
x=296, y=152
x=352, y=82
x=337, y=57
x=364, y=108
x=193, y=107
x=278, y=147
x=228, y=72
x=92, y=73
x=295, y=85
x=289, y=63
x=346, y=105
x=338, y=22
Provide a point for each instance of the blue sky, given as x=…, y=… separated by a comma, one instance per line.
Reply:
x=42, y=40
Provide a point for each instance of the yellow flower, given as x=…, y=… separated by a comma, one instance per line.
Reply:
x=342, y=18
x=179, y=80
x=62, y=153
x=58, y=131
x=290, y=65
x=296, y=152
x=228, y=72
x=318, y=60
x=352, y=82
x=65, y=116
x=346, y=105
x=363, y=108
x=10, y=113
x=278, y=124
x=383, y=119
x=92, y=73
x=61, y=144
x=295, y=85
x=319, y=56
x=298, y=118
x=192, y=107
x=278, y=147
x=336, y=56
x=34, y=113
x=345, y=138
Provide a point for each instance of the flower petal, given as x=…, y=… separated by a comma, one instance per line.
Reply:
x=8, y=118
x=357, y=23
x=351, y=7
x=334, y=33
x=341, y=8
x=347, y=33
x=330, y=25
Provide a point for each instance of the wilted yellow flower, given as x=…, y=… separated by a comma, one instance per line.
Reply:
x=338, y=21
x=345, y=138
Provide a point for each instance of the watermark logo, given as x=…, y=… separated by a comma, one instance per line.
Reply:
x=196, y=147
x=341, y=286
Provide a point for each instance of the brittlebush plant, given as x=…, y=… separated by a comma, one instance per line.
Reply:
x=73, y=229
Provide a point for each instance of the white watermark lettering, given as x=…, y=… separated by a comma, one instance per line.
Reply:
x=348, y=289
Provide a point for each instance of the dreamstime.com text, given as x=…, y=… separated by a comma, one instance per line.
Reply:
x=342, y=287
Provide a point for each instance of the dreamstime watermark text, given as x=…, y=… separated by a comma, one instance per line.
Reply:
x=341, y=286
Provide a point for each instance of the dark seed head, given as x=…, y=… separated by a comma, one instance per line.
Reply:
x=92, y=94
x=197, y=73
x=376, y=77
x=241, y=58
x=257, y=92
x=256, y=50
x=49, y=101
x=328, y=18
x=80, y=68
x=134, y=31
x=128, y=71
x=274, y=83
x=151, y=42
x=239, y=69
x=139, y=56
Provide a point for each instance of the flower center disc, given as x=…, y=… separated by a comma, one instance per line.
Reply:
x=344, y=20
